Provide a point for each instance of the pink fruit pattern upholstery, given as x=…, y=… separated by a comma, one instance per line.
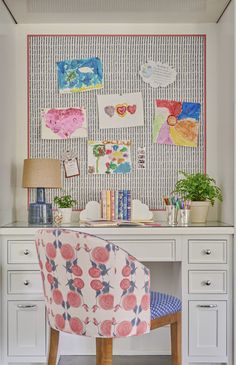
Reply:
x=91, y=286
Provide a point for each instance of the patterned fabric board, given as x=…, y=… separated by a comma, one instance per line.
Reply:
x=122, y=57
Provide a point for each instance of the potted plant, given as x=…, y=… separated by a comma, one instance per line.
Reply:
x=201, y=189
x=65, y=204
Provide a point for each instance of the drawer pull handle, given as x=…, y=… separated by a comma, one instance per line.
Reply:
x=207, y=282
x=26, y=306
x=207, y=251
x=26, y=282
x=26, y=252
x=207, y=305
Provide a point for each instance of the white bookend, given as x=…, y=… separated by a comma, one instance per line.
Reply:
x=92, y=211
x=140, y=211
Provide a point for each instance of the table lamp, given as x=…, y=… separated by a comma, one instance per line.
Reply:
x=41, y=173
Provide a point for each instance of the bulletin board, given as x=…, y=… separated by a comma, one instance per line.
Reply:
x=122, y=57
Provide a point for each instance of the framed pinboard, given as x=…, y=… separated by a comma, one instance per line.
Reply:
x=122, y=57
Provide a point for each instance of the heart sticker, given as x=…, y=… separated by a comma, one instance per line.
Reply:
x=131, y=109
x=109, y=110
x=121, y=109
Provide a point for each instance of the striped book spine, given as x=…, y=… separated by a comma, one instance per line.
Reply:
x=116, y=205
x=112, y=205
x=103, y=204
x=125, y=205
x=108, y=205
x=129, y=212
x=120, y=204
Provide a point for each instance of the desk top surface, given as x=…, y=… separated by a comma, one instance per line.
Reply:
x=162, y=228
x=132, y=224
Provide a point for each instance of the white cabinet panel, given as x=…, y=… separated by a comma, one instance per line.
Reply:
x=158, y=250
x=207, y=251
x=207, y=328
x=26, y=328
x=207, y=281
x=21, y=252
x=24, y=282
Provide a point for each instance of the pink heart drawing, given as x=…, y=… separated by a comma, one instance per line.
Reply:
x=64, y=122
x=131, y=109
x=121, y=109
x=109, y=110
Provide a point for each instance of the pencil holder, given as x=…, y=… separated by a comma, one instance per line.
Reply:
x=172, y=213
x=184, y=217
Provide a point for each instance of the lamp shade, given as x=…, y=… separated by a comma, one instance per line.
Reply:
x=41, y=173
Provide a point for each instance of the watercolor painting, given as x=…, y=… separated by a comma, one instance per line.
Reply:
x=176, y=123
x=109, y=157
x=80, y=75
x=120, y=111
x=63, y=123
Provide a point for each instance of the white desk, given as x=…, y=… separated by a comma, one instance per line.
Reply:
x=194, y=263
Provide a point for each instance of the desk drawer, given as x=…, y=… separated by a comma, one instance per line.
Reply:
x=207, y=251
x=24, y=282
x=21, y=252
x=158, y=250
x=207, y=282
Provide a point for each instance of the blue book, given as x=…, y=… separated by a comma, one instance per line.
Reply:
x=125, y=205
x=116, y=205
x=120, y=204
x=129, y=213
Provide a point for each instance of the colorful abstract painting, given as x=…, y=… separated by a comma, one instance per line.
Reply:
x=109, y=157
x=60, y=123
x=176, y=123
x=120, y=111
x=80, y=75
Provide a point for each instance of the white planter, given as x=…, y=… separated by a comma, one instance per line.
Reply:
x=66, y=215
x=199, y=212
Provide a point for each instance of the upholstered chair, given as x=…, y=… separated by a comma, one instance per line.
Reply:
x=94, y=288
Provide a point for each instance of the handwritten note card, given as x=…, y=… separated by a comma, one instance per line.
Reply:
x=157, y=74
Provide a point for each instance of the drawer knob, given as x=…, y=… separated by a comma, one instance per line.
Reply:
x=207, y=282
x=26, y=252
x=207, y=251
x=26, y=282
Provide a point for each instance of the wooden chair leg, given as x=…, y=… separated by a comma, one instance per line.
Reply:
x=53, y=346
x=176, y=343
x=103, y=351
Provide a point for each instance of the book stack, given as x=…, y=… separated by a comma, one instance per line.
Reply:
x=116, y=205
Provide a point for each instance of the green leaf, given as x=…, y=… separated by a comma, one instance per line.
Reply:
x=198, y=187
x=64, y=201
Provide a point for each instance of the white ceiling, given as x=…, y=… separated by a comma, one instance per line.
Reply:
x=116, y=11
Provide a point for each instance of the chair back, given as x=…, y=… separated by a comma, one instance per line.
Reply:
x=91, y=286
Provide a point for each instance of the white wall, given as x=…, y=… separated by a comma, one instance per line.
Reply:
x=225, y=106
x=8, y=116
x=21, y=132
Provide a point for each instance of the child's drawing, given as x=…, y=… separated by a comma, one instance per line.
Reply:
x=176, y=123
x=60, y=123
x=109, y=157
x=80, y=75
x=120, y=111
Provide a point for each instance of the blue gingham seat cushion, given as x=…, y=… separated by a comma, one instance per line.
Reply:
x=163, y=304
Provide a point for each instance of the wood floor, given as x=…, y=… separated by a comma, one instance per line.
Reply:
x=117, y=360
